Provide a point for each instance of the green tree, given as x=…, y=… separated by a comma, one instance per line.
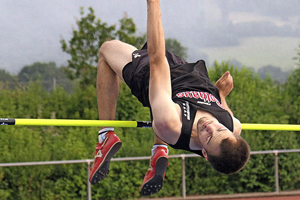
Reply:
x=90, y=33
x=126, y=33
x=253, y=100
x=175, y=47
x=297, y=58
x=292, y=92
x=7, y=78
x=87, y=38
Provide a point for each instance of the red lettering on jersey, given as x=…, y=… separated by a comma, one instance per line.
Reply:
x=205, y=96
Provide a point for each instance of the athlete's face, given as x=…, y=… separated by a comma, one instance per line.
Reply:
x=211, y=133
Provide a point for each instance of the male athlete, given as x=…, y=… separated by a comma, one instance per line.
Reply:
x=188, y=111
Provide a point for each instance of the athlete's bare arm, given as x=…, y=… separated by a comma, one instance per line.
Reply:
x=225, y=85
x=166, y=120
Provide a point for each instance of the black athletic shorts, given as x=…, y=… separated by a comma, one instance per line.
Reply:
x=136, y=73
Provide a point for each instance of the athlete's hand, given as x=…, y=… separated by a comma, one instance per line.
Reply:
x=225, y=84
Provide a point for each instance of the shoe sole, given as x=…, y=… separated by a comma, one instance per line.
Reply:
x=155, y=184
x=103, y=168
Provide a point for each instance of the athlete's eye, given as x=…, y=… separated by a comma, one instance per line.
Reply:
x=208, y=139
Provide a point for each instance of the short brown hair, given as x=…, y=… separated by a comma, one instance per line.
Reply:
x=234, y=156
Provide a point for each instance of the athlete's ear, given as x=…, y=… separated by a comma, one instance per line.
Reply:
x=204, y=154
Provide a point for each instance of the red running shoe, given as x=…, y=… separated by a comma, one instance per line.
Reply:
x=155, y=175
x=103, y=154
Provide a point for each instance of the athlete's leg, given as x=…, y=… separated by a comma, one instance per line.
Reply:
x=158, y=141
x=113, y=56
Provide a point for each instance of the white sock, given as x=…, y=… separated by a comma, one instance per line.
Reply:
x=159, y=145
x=102, y=133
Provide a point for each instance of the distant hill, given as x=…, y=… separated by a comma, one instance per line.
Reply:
x=275, y=72
x=48, y=74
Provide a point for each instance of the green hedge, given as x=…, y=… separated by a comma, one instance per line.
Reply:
x=253, y=100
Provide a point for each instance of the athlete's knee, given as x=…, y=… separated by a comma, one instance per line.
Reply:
x=103, y=49
x=107, y=47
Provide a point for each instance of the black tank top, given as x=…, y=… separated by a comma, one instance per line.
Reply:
x=193, y=90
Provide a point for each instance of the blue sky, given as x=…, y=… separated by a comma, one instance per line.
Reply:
x=254, y=33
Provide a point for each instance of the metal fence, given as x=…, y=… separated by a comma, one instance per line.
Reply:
x=182, y=156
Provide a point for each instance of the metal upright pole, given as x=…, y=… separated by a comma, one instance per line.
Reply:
x=183, y=177
x=88, y=182
x=276, y=172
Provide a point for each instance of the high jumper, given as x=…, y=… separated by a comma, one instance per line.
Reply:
x=188, y=111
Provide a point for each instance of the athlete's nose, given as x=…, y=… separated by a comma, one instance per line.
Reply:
x=210, y=129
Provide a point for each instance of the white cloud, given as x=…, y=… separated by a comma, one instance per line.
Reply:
x=258, y=52
x=30, y=29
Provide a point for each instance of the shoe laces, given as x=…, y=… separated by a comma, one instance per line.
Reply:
x=97, y=148
x=150, y=168
x=95, y=153
x=151, y=164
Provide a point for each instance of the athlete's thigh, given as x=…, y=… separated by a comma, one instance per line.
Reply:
x=117, y=54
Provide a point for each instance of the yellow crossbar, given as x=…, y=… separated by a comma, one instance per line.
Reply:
x=117, y=123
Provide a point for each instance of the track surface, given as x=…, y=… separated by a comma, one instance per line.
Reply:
x=294, y=195
x=269, y=198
